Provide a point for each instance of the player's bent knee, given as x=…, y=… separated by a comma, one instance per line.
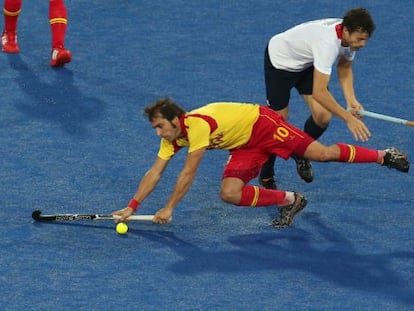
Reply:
x=229, y=196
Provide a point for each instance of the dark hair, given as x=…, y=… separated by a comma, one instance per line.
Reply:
x=164, y=108
x=359, y=19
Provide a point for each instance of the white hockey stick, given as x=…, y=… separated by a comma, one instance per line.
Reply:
x=385, y=117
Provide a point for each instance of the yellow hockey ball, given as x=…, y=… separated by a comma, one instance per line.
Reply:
x=122, y=228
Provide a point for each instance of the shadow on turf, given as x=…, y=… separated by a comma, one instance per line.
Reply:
x=109, y=225
x=58, y=101
x=329, y=256
x=333, y=259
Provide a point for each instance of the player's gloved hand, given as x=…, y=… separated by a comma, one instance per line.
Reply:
x=123, y=213
x=163, y=216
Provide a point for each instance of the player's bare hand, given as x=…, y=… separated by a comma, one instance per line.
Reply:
x=355, y=113
x=163, y=216
x=358, y=129
x=354, y=107
x=123, y=214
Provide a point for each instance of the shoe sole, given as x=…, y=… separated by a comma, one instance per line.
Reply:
x=10, y=51
x=405, y=167
x=281, y=223
x=297, y=208
x=298, y=169
x=61, y=62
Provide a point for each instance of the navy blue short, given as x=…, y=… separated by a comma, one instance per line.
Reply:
x=280, y=82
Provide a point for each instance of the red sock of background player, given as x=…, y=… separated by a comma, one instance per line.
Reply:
x=256, y=196
x=58, y=21
x=11, y=11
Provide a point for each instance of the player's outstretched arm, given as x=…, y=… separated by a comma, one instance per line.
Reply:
x=183, y=183
x=146, y=186
x=322, y=95
x=346, y=80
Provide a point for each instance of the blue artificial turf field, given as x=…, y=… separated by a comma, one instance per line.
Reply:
x=74, y=140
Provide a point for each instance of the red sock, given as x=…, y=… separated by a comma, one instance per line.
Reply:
x=58, y=21
x=256, y=196
x=11, y=11
x=357, y=154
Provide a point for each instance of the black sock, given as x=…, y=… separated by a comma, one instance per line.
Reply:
x=267, y=168
x=313, y=129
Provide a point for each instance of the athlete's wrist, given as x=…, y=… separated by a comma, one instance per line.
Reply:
x=133, y=204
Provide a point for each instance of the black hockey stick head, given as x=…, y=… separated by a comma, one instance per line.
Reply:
x=36, y=215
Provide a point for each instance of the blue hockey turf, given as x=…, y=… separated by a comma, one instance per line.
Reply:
x=74, y=140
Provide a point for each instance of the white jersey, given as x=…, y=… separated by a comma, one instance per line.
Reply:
x=314, y=43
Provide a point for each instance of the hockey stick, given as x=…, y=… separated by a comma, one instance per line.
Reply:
x=385, y=117
x=37, y=215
